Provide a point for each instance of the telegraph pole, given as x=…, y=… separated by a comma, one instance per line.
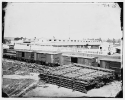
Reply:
x=69, y=31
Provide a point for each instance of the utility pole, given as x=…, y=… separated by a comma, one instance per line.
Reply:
x=30, y=46
x=69, y=31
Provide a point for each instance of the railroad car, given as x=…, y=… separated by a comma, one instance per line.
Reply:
x=9, y=53
x=66, y=59
x=11, y=46
x=25, y=55
x=114, y=64
x=9, y=56
x=29, y=56
x=20, y=55
x=4, y=50
x=85, y=60
x=48, y=58
x=40, y=57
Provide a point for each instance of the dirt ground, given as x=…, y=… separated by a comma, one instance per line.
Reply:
x=55, y=91
x=49, y=90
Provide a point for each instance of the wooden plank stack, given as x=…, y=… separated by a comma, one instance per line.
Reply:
x=77, y=78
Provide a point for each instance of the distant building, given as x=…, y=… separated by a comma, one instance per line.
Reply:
x=89, y=46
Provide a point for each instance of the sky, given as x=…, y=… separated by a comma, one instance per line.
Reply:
x=63, y=20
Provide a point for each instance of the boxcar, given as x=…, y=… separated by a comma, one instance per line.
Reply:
x=91, y=61
x=4, y=50
x=67, y=59
x=12, y=51
x=40, y=56
x=57, y=58
x=48, y=57
x=53, y=57
x=11, y=46
x=114, y=64
x=20, y=54
x=29, y=55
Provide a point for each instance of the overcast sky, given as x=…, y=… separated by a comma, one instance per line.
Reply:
x=62, y=20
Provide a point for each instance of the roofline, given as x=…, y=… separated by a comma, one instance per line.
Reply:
x=112, y=60
x=78, y=56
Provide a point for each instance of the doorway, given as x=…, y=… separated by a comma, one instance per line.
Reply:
x=74, y=60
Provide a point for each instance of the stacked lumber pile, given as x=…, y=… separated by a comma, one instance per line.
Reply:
x=77, y=78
